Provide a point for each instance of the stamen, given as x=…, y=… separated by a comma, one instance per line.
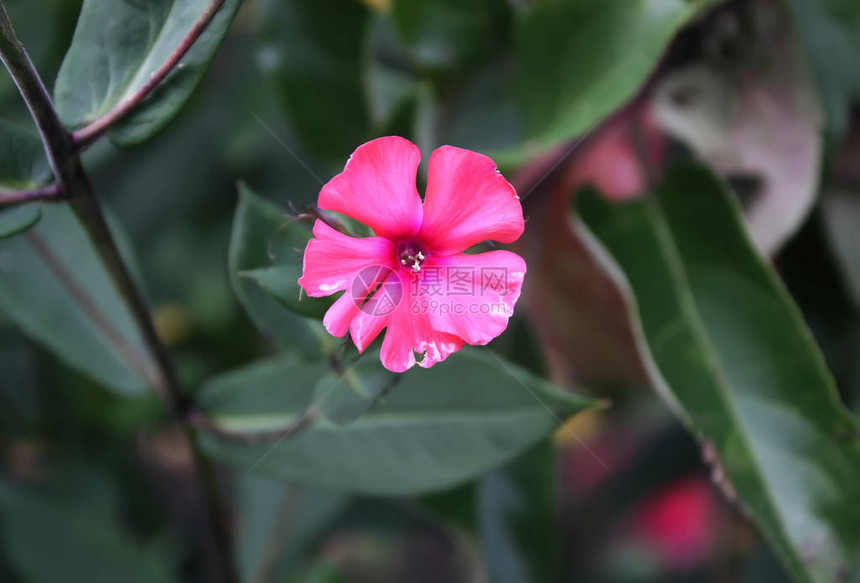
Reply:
x=412, y=255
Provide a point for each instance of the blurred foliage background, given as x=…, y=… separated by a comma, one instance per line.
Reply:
x=97, y=484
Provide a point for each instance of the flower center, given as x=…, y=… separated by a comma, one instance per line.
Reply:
x=412, y=256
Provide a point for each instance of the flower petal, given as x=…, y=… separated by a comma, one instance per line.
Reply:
x=385, y=295
x=479, y=295
x=339, y=315
x=377, y=187
x=365, y=327
x=468, y=201
x=409, y=332
x=333, y=259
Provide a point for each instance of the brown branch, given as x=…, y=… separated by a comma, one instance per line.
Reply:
x=74, y=182
x=84, y=137
x=51, y=193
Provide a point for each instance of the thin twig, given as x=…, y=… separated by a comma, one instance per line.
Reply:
x=51, y=193
x=74, y=182
x=84, y=137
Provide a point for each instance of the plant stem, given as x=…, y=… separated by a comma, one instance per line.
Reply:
x=89, y=134
x=72, y=180
x=55, y=137
x=50, y=193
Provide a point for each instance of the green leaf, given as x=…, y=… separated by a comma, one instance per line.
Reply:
x=345, y=397
x=735, y=361
x=582, y=59
x=117, y=47
x=281, y=281
x=53, y=286
x=50, y=538
x=261, y=245
x=437, y=428
x=314, y=48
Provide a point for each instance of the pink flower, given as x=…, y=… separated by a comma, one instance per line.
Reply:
x=413, y=277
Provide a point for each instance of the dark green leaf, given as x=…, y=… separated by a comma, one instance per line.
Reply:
x=258, y=242
x=484, y=116
x=320, y=573
x=277, y=522
x=446, y=33
x=23, y=164
x=21, y=407
x=438, y=427
x=581, y=60
x=49, y=538
x=517, y=519
x=314, y=48
x=44, y=26
x=282, y=283
x=116, y=48
x=840, y=212
x=390, y=82
x=735, y=361
x=53, y=286
x=455, y=507
x=830, y=31
x=17, y=220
